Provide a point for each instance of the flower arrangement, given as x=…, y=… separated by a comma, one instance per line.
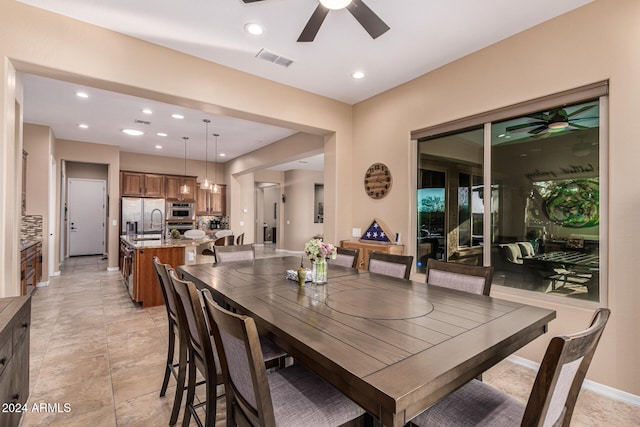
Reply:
x=317, y=250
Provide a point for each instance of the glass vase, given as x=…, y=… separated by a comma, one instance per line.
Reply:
x=320, y=272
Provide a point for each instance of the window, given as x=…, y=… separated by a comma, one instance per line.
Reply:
x=544, y=206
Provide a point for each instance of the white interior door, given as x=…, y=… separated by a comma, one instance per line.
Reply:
x=87, y=216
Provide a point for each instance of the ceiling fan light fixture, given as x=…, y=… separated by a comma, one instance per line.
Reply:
x=335, y=4
x=558, y=125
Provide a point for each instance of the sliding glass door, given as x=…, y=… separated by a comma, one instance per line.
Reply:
x=542, y=197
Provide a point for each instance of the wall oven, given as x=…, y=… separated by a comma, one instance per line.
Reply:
x=181, y=226
x=180, y=211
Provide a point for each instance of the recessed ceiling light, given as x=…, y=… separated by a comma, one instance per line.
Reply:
x=133, y=132
x=83, y=126
x=254, y=29
x=82, y=94
x=502, y=135
x=221, y=154
x=159, y=147
x=335, y=4
x=177, y=116
x=358, y=75
x=147, y=111
x=161, y=134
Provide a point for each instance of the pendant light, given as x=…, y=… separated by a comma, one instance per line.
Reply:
x=215, y=187
x=206, y=185
x=184, y=188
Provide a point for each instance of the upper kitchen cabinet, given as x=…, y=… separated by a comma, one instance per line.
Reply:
x=141, y=184
x=209, y=203
x=173, y=184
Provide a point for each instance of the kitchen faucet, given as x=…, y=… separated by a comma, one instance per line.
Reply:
x=161, y=222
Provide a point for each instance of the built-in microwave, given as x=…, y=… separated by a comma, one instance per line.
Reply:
x=180, y=211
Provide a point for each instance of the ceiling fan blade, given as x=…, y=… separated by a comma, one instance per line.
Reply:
x=251, y=1
x=523, y=126
x=368, y=19
x=313, y=26
x=581, y=110
x=538, y=130
x=577, y=126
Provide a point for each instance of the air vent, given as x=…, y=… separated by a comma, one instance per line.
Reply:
x=274, y=57
x=142, y=122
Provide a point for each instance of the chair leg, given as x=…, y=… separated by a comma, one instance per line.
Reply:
x=191, y=391
x=170, y=355
x=182, y=374
x=212, y=403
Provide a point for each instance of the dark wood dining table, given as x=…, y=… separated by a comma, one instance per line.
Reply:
x=393, y=346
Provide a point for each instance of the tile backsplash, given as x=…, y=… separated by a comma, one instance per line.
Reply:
x=31, y=227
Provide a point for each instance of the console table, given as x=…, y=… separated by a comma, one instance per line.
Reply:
x=367, y=247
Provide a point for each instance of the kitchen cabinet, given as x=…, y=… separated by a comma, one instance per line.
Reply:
x=30, y=267
x=173, y=184
x=140, y=184
x=209, y=203
x=15, y=326
x=367, y=247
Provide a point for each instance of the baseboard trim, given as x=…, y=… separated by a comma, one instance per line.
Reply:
x=55, y=273
x=112, y=269
x=42, y=284
x=601, y=389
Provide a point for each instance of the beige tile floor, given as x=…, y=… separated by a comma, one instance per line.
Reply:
x=92, y=348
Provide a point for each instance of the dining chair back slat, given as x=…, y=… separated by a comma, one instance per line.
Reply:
x=469, y=278
x=234, y=253
x=390, y=264
x=346, y=257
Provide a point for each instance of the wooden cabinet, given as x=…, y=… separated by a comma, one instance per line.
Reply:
x=140, y=184
x=30, y=267
x=366, y=248
x=173, y=184
x=209, y=203
x=15, y=326
x=146, y=289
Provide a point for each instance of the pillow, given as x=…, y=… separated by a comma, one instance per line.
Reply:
x=511, y=252
x=526, y=248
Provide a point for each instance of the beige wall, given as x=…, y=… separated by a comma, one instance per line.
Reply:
x=39, y=142
x=298, y=209
x=594, y=43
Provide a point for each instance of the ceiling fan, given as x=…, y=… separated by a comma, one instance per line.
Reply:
x=557, y=119
x=363, y=14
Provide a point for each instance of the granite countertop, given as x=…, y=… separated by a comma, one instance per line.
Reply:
x=27, y=243
x=154, y=241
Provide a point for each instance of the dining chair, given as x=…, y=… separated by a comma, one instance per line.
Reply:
x=469, y=278
x=552, y=398
x=390, y=264
x=162, y=274
x=202, y=353
x=202, y=356
x=240, y=239
x=234, y=253
x=220, y=241
x=292, y=396
x=346, y=257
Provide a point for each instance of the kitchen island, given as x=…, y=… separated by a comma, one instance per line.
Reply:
x=136, y=262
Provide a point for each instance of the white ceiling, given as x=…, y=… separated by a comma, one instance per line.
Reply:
x=424, y=35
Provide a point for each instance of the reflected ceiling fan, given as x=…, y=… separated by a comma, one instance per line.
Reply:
x=363, y=14
x=557, y=119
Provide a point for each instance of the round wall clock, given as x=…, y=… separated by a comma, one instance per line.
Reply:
x=377, y=181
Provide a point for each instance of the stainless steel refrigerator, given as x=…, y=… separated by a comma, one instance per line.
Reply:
x=142, y=215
